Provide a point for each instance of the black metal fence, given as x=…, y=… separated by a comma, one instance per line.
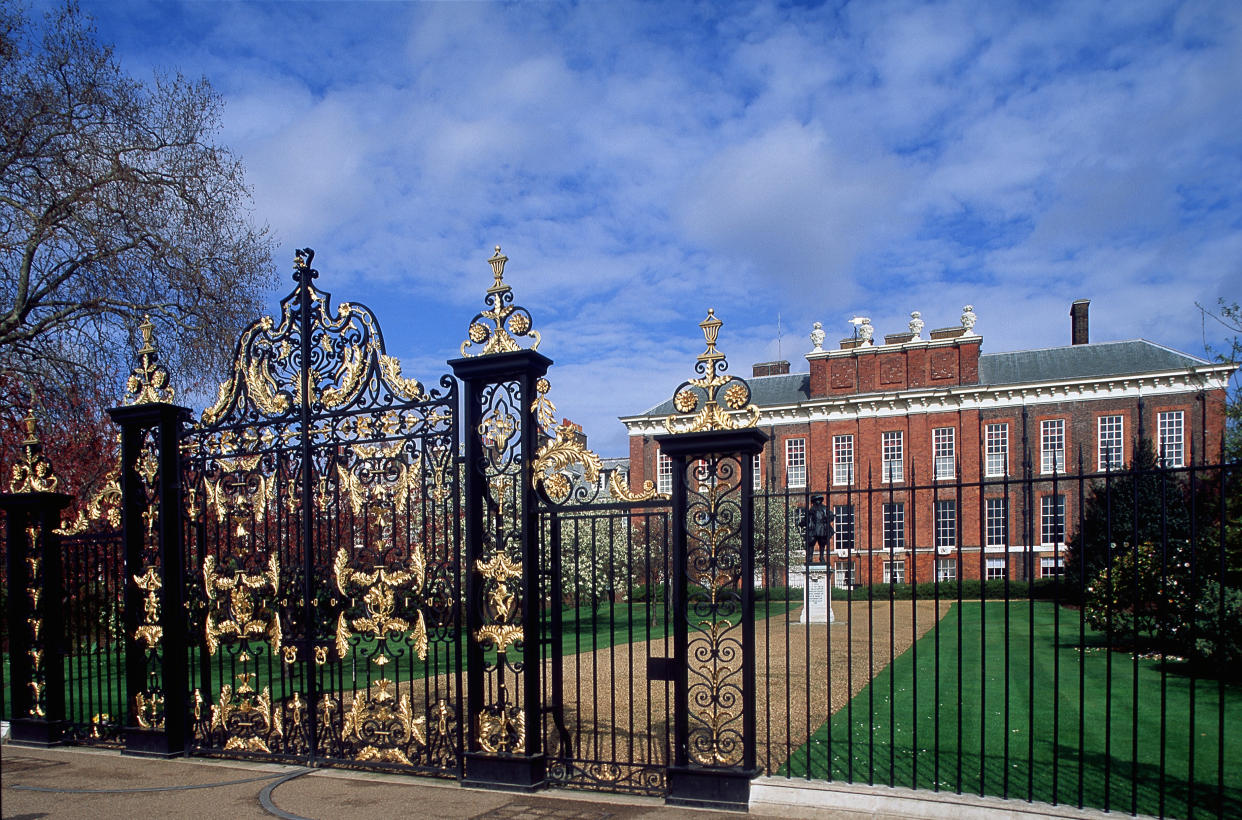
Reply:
x=1084, y=650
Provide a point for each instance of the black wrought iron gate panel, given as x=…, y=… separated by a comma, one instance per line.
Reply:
x=323, y=548
x=607, y=722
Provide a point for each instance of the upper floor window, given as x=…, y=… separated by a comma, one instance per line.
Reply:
x=944, y=449
x=842, y=459
x=1109, y=439
x=756, y=474
x=891, y=446
x=664, y=474
x=1171, y=445
x=1052, y=446
x=795, y=462
x=996, y=444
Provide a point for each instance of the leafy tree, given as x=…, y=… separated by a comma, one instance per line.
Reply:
x=115, y=202
x=1229, y=316
x=1140, y=505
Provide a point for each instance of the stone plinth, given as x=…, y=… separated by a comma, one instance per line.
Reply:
x=817, y=596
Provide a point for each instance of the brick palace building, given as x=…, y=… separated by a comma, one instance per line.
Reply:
x=920, y=444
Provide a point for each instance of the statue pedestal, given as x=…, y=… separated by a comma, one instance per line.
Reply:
x=817, y=596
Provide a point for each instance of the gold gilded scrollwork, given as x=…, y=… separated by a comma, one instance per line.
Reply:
x=508, y=320
x=620, y=489
x=379, y=598
x=501, y=729
x=248, y=721
x=736, y=393
x=34, y=590
x=104, y=506
x=553, y=459
x=148, y=382
x=235, y=596
x=149, y=709
x=240, y=490
x=33, y=472
x=383, y=732
x=395, y=491
x=149, y=631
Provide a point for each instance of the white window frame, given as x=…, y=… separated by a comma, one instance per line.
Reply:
x=894, y=523
x=944, y=452
x=1052, y=446
x=843, y=460
x=946, y=569
x=756, y=472
x=895, y=571
x=996, y=446
x=1052, y=520
x=664, y=474
x=995, y=569
x=1171, y=438
x=795, y=462
x=1051, y=565
x=843, y=525
x=1110, y=442
x=944, y=516
x=843, y=573
x=996, y=522
x=892, y=447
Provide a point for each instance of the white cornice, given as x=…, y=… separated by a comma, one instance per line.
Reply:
x=973, y=397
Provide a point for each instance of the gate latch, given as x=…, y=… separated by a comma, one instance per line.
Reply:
x=660, y=669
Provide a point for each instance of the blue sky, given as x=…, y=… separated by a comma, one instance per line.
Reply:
x=641, y=162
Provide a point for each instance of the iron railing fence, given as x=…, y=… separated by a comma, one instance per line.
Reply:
x=1063, y=638
x=93, y=647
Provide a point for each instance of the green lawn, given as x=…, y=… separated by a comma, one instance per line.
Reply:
x=1002, y=751
x=584, y=629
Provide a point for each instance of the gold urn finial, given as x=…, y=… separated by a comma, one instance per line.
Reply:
x=497, y=262
x=33, y=473
x=704, y=394
x=148, y=381
x=509, y=322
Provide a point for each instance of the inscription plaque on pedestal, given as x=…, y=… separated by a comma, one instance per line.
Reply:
x=817, y=597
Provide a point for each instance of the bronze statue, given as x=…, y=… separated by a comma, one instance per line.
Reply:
x=818, y=530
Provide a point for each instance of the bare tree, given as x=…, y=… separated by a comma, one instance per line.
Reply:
x=114, y=202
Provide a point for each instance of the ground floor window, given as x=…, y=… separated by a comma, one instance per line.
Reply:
x=996, y=568
x=894, y=572
x=1049, y=567
x=843, y=574
x=946, y=569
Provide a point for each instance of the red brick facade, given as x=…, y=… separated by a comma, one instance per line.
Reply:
x=916, y=387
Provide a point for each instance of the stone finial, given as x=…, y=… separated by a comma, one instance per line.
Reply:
x=969, y=319
x=866, y=331
x=916, y=326
x=817, y=337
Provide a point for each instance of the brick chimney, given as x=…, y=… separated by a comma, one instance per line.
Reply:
x=780, y=368
x=1078, y=321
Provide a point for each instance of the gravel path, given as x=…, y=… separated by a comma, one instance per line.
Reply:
x=804, y=673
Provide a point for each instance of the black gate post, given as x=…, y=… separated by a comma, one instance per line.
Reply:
x=156, y=657
x=36, y=597
x=713, y=607
x=504, y=738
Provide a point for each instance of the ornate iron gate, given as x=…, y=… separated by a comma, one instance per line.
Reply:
x=322, y=548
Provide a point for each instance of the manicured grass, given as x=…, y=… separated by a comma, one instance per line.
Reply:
x=584, y=629
x=1022, y=732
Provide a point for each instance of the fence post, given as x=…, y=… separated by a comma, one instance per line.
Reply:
x=156, y=658
x=713, y=665
x=35, y=596
x=504, y=737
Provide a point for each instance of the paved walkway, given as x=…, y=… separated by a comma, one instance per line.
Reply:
x=74, y=782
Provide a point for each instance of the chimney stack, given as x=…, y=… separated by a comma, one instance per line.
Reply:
x=1078, y=321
